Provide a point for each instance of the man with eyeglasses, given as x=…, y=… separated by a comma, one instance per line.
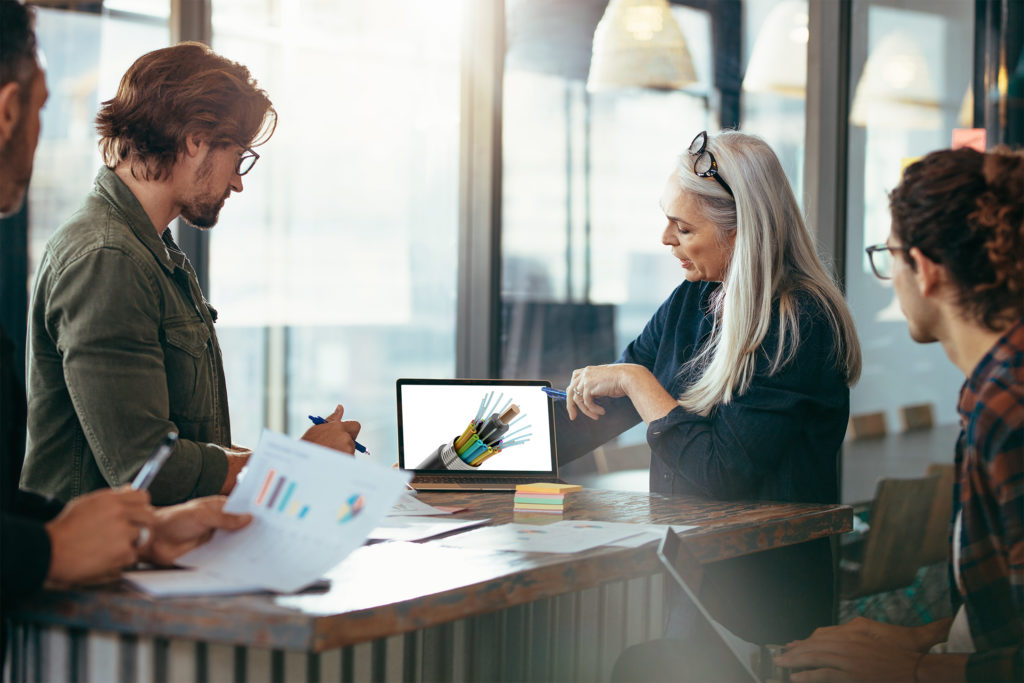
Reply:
x=955, y=257
x=92, y=538
x=122, y=345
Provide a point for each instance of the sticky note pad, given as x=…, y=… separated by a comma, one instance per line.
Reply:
x=548, y=487
x=537, y=506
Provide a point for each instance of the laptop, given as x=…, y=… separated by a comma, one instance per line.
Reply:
x=475, y=434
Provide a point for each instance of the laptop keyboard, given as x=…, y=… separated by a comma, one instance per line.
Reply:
x=444, y=479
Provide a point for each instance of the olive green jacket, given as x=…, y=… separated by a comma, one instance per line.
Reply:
x=121, y=351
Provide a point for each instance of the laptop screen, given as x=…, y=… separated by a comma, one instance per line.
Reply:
x=494, y=426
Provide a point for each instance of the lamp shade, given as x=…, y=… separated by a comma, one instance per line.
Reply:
x=638, y=44
x=778, y=62
x=896, y=89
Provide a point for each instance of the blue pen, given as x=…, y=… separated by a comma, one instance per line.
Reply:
x=556, y=394
x=317, y=420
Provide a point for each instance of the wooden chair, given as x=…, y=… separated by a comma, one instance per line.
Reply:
x=935, y=547
x=890, y=554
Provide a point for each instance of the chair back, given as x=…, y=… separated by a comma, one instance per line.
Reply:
x=899, y=517
x=935, y=547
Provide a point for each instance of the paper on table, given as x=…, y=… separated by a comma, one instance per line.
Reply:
x=409, y=504
x=177, y=582
x=406, y=528
x=650, y=533
x=166, y=583
x=568, y=536
x=311, y=506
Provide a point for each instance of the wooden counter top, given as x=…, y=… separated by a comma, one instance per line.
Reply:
x=390, y=588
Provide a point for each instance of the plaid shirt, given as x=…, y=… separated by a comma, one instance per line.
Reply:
x=990, y=492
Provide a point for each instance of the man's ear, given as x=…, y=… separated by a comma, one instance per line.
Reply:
x=929, y=275
x=10, y=110
x=193, y=145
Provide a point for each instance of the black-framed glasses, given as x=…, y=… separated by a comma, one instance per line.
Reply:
x=246, y=161
x=704, y=165
x=880, y=257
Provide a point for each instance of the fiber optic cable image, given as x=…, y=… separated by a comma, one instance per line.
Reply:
x=482, y=439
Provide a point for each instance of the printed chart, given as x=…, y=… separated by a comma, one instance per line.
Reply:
x=311, y=507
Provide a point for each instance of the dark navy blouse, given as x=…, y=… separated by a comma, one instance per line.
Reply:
x=777, y=441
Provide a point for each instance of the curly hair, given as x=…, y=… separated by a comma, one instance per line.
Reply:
x=173, y=94
x=964, y=210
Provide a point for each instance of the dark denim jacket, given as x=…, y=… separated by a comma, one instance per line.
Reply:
x=121, y=350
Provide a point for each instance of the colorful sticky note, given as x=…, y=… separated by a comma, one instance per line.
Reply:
x=548, y=487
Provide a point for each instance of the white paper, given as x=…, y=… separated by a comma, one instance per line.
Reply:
x=178, y=582
x=652, y=532
x=409, y=504
x=568, y=536
x=405, y=528
x=312, y=506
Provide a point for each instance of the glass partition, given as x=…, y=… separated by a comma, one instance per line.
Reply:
x=910, y=77
x=774, y=100
x=583, y=267
x=86, y=54
x=335, y=271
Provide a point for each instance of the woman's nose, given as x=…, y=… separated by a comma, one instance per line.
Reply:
x=668, y=236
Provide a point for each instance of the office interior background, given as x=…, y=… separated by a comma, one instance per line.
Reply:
x=444, y=197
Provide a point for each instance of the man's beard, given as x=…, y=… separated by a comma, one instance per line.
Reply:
x=202, y=212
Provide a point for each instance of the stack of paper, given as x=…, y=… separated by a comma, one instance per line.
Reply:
x=310, y=509
x=544, y=497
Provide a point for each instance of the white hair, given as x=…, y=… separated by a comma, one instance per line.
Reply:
x=773, y=258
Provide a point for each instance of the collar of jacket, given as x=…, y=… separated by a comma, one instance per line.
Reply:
x=111, y=187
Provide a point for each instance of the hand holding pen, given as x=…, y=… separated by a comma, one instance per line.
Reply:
x=148, y=473
x=335, y=433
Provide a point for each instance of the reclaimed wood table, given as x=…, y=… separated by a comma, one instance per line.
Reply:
x=412, y=611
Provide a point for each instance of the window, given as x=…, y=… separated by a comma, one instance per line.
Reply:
x=775, y=81
x=86, y=55
x=583, y=267
x=334, y=272
x=899, y=112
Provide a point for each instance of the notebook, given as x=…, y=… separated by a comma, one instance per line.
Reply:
x=475, y=434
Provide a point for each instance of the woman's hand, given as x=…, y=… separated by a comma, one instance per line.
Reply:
x=616, y=380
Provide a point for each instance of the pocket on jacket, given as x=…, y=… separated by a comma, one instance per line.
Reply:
x=191, y=384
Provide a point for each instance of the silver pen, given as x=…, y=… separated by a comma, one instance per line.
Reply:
x=155, y=461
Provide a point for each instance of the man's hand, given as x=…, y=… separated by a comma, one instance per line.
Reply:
x=238, y=457
x=335, y=433
x=861, y=650
x=180, y=528
x=917, y=638
x=94, y=536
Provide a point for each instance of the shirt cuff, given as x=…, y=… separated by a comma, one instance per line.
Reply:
x=677, y=415
x=26, y=556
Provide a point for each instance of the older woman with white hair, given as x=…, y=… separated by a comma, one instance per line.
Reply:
x=742, y=376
